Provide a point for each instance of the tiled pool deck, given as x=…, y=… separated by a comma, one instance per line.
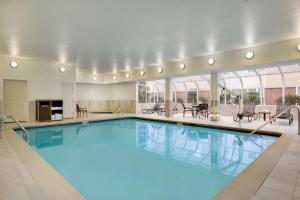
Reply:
x=274, y=175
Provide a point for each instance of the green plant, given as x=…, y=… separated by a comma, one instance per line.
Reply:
x=192, y=96
x=203, y=99
x=228, y=97
x=251, y=97
x=290, y=99
x=142, y=93
x=179, y=100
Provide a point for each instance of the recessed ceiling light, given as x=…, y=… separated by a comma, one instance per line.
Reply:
x=62, y=69
x=115, y=77
x=142, y=73
x=160, y=70
x=94, y=78
x=211, y=61
x=182, y=66
x=127, y=75
x=249, y=55
x=298, y=47
x=14, y=64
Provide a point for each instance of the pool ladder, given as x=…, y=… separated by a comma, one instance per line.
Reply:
x=278, y=115
x=3, y=118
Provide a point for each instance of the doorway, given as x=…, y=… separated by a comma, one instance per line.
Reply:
x=15, y=99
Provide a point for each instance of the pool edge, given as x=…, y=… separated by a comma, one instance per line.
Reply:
x=51, y=183
x=244, y=186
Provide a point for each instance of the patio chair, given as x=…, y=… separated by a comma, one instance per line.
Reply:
x=187, y=109
x=248, y=111
x=152, y=110
x=81, y=111
x=175, y=109
x=202, y=110
x=287, y=115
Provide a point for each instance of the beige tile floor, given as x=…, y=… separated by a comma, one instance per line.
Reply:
x=16, y=181
x=283, y=183
x=279, y=126
x=12, y=186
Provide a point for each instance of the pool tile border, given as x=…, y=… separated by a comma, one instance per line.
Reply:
x=244, y=130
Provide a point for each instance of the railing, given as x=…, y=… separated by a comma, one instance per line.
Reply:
x=118, y=107
x=278, y=115
x=25, y=132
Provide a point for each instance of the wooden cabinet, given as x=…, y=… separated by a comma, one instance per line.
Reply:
x=49, y=110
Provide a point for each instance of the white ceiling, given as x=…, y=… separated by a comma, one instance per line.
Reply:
x=106, y=35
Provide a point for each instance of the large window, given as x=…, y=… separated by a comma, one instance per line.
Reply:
x=151, y=91
x=267, y=86
x=192, y=89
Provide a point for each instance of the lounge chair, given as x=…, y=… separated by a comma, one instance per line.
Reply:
x=155, y=108
x=80, y=111
x=162, y=110
x=286, y=115
x=187, y=109
x=248, y=111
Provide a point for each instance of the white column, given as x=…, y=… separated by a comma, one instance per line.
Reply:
x=214, y=96
x=169, y=97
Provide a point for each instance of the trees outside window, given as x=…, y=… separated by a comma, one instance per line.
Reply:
x=251, y=97
x=290, y=99
x=142, y=92
x=192, y=96
x=151, y=92
x=228, y=97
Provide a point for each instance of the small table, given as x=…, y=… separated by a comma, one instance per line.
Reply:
x=264, y=113
x=199, y=109
x=194, y=111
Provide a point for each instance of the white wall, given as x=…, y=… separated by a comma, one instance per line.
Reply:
x=124, y=91
x=44, y=81
x=44, y=78
x=86, y=91
x=96, y=97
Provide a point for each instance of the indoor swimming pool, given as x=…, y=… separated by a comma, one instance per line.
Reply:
x=144, y=160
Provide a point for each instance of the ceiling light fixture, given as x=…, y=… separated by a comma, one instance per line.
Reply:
x=211, y=61
x=160, y=70
x=142, y=73
x=94, y=78
x=298, y=47
x=182, y=66
x=127, y=75
x=14, y=64
x=115, y=77
x=249, y=55
x=62, y=69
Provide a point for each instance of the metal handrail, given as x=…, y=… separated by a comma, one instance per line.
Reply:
x=25, y=132
x=119, y=106
x=278, y=115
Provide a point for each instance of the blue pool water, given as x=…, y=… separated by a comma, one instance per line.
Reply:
x=135, y=159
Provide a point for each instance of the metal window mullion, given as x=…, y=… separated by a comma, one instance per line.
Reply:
x=283, y=84
x=262, y=102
